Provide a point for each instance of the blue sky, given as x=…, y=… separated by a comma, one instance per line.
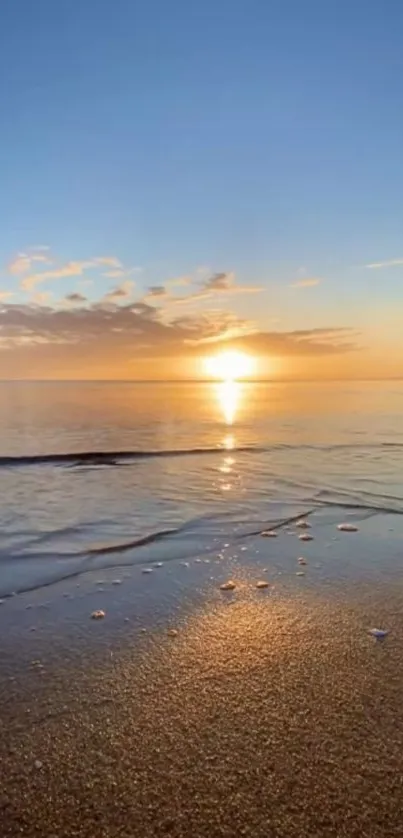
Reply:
x=258, y=138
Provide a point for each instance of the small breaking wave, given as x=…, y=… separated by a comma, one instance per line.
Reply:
x=113, y=458
x=121, y=457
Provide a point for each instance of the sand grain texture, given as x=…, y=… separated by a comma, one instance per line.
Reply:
x=271, y=718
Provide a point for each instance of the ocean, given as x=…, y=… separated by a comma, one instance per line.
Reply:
x=94, y=474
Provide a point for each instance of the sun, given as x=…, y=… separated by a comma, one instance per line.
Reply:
x=229, y=366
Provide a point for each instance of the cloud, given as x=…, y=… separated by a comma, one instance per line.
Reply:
x=179, y=282
x=70, y=269
x=6, y=295
x=215, y=285
x=122, y=272
x=115, y=274
x=23, y=262
x=389, y=264
x=310, y=282
x=108, y=261
x=75, y=297
x=52, y=341
x=121, y=292
x=158, y=291
x=42, y=298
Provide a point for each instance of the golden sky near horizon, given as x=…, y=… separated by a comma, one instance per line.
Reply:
x=99, y=318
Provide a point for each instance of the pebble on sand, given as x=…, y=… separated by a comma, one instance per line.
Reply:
x=303, y=525
x=379, y=634
x=305, y=537
x=38, y=763
x=262, y=584
x=98, y=615
x=172, y=632
x=301, y=560
x=147, y=570
x=228, y=586
x=347, y=528
x=300, y=573
x=117, y=582
x=269, y=534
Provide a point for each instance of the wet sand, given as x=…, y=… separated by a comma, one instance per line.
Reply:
x=271, y=712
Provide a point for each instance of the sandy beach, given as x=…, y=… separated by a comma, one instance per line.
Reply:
x=189, y=710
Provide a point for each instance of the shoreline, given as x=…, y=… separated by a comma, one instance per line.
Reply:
x=264, y=712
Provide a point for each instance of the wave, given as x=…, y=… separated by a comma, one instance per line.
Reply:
x=79, y=562
x=112, y=458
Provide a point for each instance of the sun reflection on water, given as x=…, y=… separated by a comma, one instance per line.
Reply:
x=229, y=394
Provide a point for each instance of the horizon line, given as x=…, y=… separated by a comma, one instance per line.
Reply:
x=196, y=380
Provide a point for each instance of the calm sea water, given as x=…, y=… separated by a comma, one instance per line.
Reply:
x=206, y=459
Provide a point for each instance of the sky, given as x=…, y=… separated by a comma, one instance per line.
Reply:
x=178, y=178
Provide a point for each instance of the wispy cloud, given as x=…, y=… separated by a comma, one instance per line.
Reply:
x=75, y=298
x=121, y=292
x=179, y=282
x=122, y=272
x=158, y=291
x=6, y=295
x=309, y=282
x=22, y=263
x=108, y=261
x=391, y=263
x=70, y=269
x=42, y=298
x=216, y=285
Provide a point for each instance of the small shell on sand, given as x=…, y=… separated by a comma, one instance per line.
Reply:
x=269, y=534
x=303, y=525
x=301, y=560
x=300, y=573
x=117, y=582
x=197, y=561
x=159, y=564
x=347, y=528
x=98, y=615
x=262, y=584
x=172, y=633
x=184, y=564
x=378, y=633
x=305, y=537
x=147, y=570
x=228, y=586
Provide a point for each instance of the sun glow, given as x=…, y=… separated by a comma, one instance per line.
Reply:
x=230, y=366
